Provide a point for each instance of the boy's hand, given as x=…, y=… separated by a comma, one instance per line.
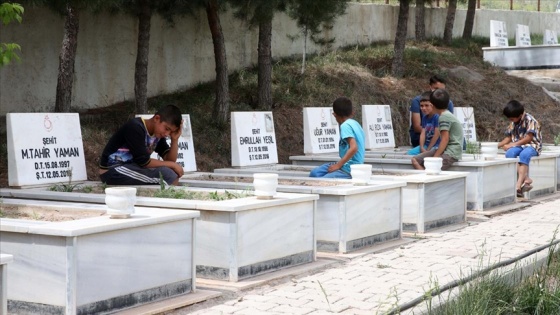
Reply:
x=178, y=169
x=177, y=133
x=507, y=146
x=334, y=167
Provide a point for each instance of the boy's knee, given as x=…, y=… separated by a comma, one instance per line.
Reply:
x=168, y=175
x=314, y=173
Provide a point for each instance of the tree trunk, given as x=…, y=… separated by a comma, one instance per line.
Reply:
x=305, y=31
x=265, y=64
x=397, y=68
x=448, y=32
x=420, y=24
x=221, y=105
x=469, y=19
x=141, y=70
x=66, y=60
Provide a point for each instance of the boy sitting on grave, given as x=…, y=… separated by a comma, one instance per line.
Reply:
x=351, y=147
x=435, y=82
x=429, y=137
x=126, y=157
x=451, y=134
x=523, y=140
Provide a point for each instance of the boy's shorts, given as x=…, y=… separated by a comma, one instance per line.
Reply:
x=523, y=153
x=447, y=160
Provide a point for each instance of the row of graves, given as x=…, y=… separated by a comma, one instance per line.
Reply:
x=225, y=234
x=523, y=55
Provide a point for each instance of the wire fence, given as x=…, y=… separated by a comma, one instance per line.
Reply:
x=518, y=5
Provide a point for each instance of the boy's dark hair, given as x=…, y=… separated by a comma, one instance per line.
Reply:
x=440, y=99
x=513, y=109
x=342, y=106
x=425, y=97
x=436, y=78
x=170, y=114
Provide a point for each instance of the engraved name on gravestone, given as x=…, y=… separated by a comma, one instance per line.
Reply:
x=378, y=126
x=44, y=148
x=498, y=34
x=185, y=153
x=466, y=116
x=320, y=130
x=550, y=37
x=253, y=141
x=522, y=35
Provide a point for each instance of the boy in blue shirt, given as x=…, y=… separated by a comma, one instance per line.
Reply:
x=351, y=147
x=429, y=137
x=435, y=82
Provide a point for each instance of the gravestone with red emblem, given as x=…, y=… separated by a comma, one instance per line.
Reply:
x=44, y=148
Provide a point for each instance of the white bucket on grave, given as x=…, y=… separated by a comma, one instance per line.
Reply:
x=120, y=201
x=265, y=185
x=361, y=173
x=433, y=165
x=489, y=150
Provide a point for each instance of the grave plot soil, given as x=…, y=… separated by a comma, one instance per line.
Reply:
x=41, y=214
x=361, y=74
x=248, y=179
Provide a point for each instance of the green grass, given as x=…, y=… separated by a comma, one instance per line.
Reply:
x=495, y=293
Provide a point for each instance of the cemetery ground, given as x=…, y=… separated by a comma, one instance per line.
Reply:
x=409, y=270
x=361, y=73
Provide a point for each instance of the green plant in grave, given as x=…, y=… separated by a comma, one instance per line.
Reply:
x=162, y=183
x=65, y=187
x=473, y=147
x=174, y=193
x=214, y=195
x=557, y=139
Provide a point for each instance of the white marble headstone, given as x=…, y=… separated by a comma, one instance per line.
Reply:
x=44, y=148
x=378, y=126
x=185, y=154
x=320, y=130
x=550, y=37
x=498, y=34
x=253, y=140
x=466, y=116
x=522, y=35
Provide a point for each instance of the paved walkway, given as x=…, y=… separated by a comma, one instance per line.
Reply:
x=375, y=283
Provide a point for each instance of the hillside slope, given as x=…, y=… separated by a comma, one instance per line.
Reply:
x=363, y=74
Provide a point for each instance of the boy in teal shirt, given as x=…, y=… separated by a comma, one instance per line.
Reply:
x=351, y=147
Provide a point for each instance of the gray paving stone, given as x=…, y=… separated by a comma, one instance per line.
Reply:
x=374, y=283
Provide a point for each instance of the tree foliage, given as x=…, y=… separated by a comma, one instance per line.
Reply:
x=312, y=17
x=10, y=12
